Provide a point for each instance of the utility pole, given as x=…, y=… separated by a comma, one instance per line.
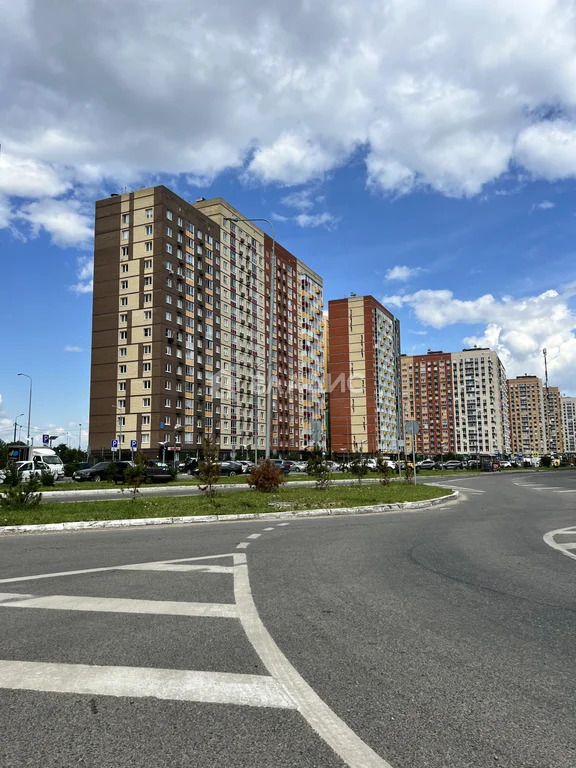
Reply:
x=16, y=425
x=547, y=406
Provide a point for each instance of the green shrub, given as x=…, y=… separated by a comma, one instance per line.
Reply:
x=318, y=468
x=358, y=466
x=265, y=477
x=47, y=479
x=21, y=496
x=546, y=461
x=135, y=475
x=209, y=467
x=383, y=470
x=12, y=476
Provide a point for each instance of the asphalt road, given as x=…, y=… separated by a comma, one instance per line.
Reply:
x=442, y=638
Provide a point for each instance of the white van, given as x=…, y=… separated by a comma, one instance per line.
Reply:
x=37, y=454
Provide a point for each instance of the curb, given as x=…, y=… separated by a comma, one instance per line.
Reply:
x=145, y=521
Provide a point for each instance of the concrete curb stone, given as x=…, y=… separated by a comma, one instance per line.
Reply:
x=146, y=521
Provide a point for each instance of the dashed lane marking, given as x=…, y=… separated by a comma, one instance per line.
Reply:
x=254, y=536
x=243, y=545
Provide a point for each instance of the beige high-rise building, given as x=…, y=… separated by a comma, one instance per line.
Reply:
x=182, y=296
x=553, y=420
x=569, y=424
x=527, y=416
x=481, y=416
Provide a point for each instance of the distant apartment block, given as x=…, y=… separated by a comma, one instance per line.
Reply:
x=527, y=415
x=553, y=420
x=427, y=397
x=182, y=303
x=568, y=405
x=364, y=399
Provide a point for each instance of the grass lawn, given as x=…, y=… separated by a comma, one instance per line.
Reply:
x=223, y=504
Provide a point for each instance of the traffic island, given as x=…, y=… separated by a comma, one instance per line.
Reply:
x=240, y=505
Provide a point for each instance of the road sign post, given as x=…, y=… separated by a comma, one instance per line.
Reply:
x=133, y=447
x=412, y=428
x=45, y=439
x=114, y=445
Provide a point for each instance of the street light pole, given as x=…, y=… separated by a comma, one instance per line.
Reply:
x=79, y=437
x=29, y=405
x=270, y=327
x=16, y=424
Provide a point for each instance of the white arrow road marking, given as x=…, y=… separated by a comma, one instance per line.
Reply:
x=118, y=605
x=562, y=546
x=172, y=684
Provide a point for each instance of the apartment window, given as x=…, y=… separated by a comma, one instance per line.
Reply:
x=124, y=301
x=122, y=369
x=169, y=215
x=146, y=367
x=147, y=331
x=145, y=421
x=123, y=318
x=169, y=248
x=149, y=213
x=145, y=439
x=124, y=268
x=147, y=298
x=148, y=246
x=148, y=264
x=147, y=349
x=147, y=281
x=168, y=368
x=123, y=335
x=122, y=387
x=147, y=384
x=124, y=284
x=167, y=384
x=148, y=229
x=125, y=234
x=146, y=402
x=124, y=250
x=167, y=402
x=122, y=351
x=148, y=315
x=168, y=299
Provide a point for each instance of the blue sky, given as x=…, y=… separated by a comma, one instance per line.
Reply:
x=406, y=162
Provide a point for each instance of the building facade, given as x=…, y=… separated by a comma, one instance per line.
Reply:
x=427, y=398
x=553, y=420
x=182, y=302
x=527, y=415
x=364, y=389
x=569, y=424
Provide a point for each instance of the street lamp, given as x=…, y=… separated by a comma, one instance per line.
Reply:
x=270, y=326
x=29, y=405
x=16, y=424
x=163, y=444
x=79, y=437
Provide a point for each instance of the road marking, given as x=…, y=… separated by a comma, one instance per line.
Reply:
x=268, y=529
x=570, y=490
x=118, y=605
x=283, y=523
x=243, y=545
x=254, y=536
x=183, y=567
x=108, y=568
x=145, y=682
x=347, y=745
x=459, y=488
x=563, y=547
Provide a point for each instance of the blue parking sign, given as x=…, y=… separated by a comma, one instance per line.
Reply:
x=133, y=445
x=114, y=444
x=45, y=439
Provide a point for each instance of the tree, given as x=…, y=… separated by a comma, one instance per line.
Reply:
x=318, y=468
x=22, y=495
x=135, y=475
x=383, y=470
x=12, y=477
x=546, y=461
x=266, y=477
x=3, y=454
x=209, y=469
x=358, y=466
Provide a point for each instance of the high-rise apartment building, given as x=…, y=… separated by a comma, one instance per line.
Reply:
x=427, y=398
x=481, y=409
x=527, y=415
x=365, y=402
x=553, y=420
x=180, y=329
x=569, y=424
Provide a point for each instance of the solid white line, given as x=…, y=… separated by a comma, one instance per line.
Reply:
x=347, y=745
x=108, y=568
x=118, y=605
x=243, y=545
x=183, y=567
x=283, y=523
x=254, y=536
x=171, y=684
x=570, y=490
x=549, y=539
x=460, y=488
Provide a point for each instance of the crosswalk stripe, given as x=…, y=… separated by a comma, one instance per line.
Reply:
x=118, y=605
x=145, y=682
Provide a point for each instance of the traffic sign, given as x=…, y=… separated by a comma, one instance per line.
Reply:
x=45, y=439
x=133, y=445
x=114, y=445
x=412, y=428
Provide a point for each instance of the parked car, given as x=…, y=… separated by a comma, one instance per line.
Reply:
x=426, y=464
x=299, y=466
x=104, y=470
x=231, y=468
x=506, y=464
x=283, y=466
x=189, y=466
x=247, y=466
x=453, y=464
x=27, y=469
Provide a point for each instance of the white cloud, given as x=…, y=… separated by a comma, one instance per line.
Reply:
x=402, y=273
x=302, y=199
x=64, y=220
x=516, y=328
x=448, y=100
x=545, y=205
x=5, y=213
x=310, y=220
x=85, y=275
x=70, y=348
